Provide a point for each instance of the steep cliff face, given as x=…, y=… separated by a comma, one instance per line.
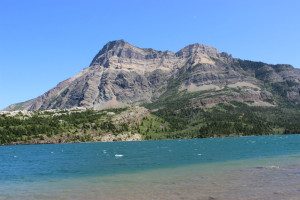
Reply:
x=119, y=75
x=124, y=75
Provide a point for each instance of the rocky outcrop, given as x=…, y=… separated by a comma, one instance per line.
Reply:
x=294, y=93
x=121, y=137
x=131, y=116
x=196, y=50
x=124, y=75
x=244, y=95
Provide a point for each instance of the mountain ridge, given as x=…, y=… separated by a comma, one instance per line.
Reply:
x=122, y=75
x=129, y=93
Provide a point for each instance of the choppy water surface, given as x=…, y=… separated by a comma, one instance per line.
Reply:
x=263, y=167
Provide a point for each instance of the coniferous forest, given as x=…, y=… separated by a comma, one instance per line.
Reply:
x=221, y=120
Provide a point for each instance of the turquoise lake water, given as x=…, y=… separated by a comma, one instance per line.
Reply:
x=262, y=167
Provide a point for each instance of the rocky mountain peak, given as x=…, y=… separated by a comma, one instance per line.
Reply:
x=110, y=49
x=119, y=52
x=196, y=49
x=114, y=45
x=124, y=75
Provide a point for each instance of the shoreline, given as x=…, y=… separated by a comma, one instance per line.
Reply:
x=41, y=142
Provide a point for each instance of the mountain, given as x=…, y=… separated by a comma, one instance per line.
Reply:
x=130, y=93
x=122, y=75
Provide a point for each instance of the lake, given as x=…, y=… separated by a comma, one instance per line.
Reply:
x=258, y=167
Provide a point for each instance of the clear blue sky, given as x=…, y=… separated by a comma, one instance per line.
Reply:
x=43, y=42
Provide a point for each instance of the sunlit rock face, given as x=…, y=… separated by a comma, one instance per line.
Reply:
x=125, y=75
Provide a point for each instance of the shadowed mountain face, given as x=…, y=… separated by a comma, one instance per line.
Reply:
x=124, y=75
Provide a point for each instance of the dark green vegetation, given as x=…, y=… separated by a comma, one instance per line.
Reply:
x=75, y=126
x=224, y=119
x=79, y=126
x=231, y=119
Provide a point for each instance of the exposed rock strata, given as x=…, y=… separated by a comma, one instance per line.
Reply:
x=124, y=75
x=245, y=95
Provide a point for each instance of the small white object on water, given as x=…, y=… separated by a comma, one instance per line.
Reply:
x=51, y=152
x=15, y=156
x=118, y=155
x=272, y=167
x=199, y=154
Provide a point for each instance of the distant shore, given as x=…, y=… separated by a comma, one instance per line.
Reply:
x=138, y=138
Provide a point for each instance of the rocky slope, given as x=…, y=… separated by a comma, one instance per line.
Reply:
x=123, y=75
